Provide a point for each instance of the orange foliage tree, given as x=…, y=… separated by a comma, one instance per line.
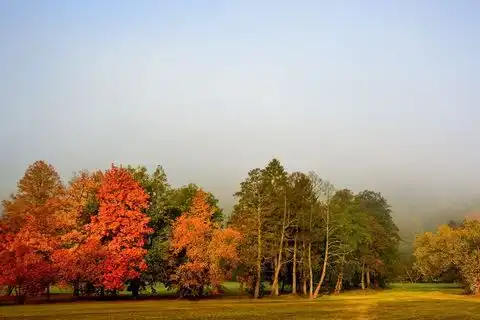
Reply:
x=80, y=200
x=77, y=259
x=38, y=188
x=29, y=231
x=206, y=253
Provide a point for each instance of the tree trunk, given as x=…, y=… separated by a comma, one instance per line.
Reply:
x=48, y=293
x=294, y=271
x=76, y=289
x=363, y=276
x=325, y=259
x=20, y=295
x=310, y=269
x=278, y=266
x=409, y=276
x=338, y=286
x=368, y=277
x=375, y=280
x=256, y=293
x=322, y=277
x=21, y=299
x=304, y=270
x=274, y=284
x=135, y=287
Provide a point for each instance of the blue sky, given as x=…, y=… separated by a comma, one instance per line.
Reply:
x=370, y=94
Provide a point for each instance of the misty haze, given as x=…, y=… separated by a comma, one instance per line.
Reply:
x=379, y=96
x=372, y=95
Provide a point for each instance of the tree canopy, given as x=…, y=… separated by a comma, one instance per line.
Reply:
x=129, y=228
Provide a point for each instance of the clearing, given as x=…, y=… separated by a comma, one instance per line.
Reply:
x=412, y=301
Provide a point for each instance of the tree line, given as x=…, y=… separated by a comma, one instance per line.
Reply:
x=301, y=232
x=127, y=228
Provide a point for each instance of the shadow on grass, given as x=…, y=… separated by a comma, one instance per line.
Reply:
x=58, y=295
x=68, y=297
x=65, y=298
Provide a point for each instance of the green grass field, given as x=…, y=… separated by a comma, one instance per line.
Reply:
x=418, y=301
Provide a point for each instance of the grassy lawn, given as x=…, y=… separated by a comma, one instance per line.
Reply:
x=401, y=302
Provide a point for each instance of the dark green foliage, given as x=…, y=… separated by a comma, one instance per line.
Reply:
x=381, y=250
x=166, y=204
x=90, y=210
x=305, y=212
x=181, y=200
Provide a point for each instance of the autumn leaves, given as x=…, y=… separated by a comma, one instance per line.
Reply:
x=28, y=232
x=92, y=236
x=452, y=251
x=111, y=245
x=210, y=252
x=126, y=228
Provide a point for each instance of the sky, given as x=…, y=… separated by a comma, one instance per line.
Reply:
x=381, y=95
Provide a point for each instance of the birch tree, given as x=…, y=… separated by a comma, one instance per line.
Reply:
x=324, y=191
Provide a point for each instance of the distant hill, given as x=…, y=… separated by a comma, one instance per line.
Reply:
x=418, y=218
x=457, y=213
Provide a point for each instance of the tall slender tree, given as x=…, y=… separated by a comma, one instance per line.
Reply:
x=324, y=191
x=250, y=217
x=275, y=178
x=300, y=204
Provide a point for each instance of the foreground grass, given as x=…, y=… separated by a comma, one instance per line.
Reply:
x=402, y=302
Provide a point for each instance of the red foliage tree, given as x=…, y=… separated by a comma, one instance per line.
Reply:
x=208, y=253
x=25, y=260
x=105, y=247
x=121, y=227
x=80, y=264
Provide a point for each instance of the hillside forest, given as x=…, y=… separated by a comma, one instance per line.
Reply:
x=126, y=228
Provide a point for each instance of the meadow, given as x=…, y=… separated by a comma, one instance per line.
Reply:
x=402, y=301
